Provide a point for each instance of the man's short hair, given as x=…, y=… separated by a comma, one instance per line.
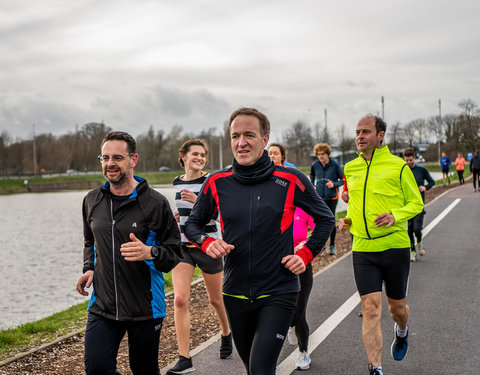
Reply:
x=264, y=123
x=121, y=136
x=324, y=147
x=409, y=152
x=183, y=150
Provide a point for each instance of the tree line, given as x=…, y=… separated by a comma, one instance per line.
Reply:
x=78, y=149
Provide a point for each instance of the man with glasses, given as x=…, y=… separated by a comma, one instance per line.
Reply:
x=130, y=237
x=327, y=177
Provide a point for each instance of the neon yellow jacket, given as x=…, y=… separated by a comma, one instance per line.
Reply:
x=383, y=185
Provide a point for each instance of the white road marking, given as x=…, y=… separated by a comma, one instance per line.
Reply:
x=444, y=213
x=321, y=333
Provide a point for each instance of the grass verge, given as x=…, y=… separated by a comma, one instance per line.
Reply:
x=29, y=335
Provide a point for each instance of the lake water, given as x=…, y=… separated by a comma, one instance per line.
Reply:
x=41, y=250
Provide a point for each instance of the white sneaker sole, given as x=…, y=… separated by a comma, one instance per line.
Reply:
x=306, y=367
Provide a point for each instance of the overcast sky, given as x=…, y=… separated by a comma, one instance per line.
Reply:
x=136, y=63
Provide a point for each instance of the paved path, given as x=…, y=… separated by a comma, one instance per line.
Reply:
x=443, y=295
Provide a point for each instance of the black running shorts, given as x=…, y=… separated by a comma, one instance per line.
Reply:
x=391, y=267
x=196, y=257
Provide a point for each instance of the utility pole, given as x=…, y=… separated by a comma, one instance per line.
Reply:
x=439, y=132
x=325, y=119
x=325, y=116
x=383, y=108
x=35, y=166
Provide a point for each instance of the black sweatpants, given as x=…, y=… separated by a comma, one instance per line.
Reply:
x=259, y=328
x=460, y=177
x=332, y=204
x=476, y=178
x=103, y=337
x=415, y=227
x=299, y=321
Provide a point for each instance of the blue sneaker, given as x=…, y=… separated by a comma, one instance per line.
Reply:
x=332, y=250
x=399, y=345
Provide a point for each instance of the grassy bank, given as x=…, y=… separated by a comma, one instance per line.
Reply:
x=29, y=335
x=17, y=185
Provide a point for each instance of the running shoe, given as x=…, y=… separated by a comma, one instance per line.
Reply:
x=183, y=366
x=303, y=361
x=413, y=256
x=421, y=250
x=291, y=336
x=226, y=348
x=373, y=370
x=332, y=250
x=399, y=345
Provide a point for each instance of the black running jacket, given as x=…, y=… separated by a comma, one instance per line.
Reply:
x=256, y=205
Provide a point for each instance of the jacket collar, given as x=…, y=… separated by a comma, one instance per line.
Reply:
x=142, y=185
x=252, y=174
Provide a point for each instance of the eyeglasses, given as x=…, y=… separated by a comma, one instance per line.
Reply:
x=321, y=153
x=115, y=158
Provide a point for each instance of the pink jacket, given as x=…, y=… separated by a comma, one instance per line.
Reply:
x=301, y=222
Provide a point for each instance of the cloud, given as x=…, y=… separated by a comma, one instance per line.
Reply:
x=133, y=64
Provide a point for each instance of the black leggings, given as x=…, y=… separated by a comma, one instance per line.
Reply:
x=259, y=328
x=332, y=204
x=103, y=337
x=460, y=177
x=415, y=226
x=299, y=320
x=476, y=178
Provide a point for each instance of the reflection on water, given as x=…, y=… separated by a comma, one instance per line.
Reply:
x=41, y=251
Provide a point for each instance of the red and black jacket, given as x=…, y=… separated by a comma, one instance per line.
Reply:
x=256, y=205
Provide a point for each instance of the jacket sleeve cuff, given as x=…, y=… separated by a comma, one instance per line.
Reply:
x=305, y=254
x=207, y=242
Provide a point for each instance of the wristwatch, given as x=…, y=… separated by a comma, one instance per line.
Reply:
x=154, y=252
x=201, y=240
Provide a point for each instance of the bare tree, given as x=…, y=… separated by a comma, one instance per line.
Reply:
x=420, y=125
x=469, y=123
x=299, y=141
x=395, y=136
x=410, y=132
x=345, y=143
x=4, y=143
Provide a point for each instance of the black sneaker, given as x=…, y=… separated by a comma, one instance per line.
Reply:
x=226, y=347
x=183, y=366
x=373, y=370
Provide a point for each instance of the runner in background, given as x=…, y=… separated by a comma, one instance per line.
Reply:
x=415, y=224
x=460, y=166
x=326, y=175
x=475, y=170
x=193, y=158
x=299, y=331
x=445, y=164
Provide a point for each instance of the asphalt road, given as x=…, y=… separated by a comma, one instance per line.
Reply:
x=443, y=296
